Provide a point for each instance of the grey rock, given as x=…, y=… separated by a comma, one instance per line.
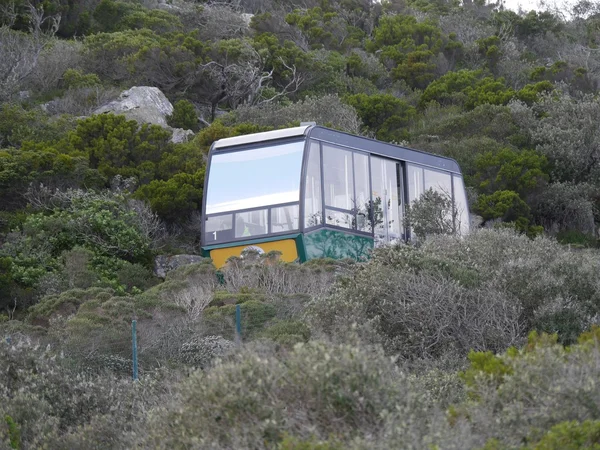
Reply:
x=164, y=264
x=143, y=104
x=180, y=135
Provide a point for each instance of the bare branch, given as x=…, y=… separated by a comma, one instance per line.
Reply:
x=19, y=52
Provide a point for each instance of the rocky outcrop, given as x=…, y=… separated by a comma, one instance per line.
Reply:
x=165, y=264
x=180, y=135
x=143, y=104
x=146, y=104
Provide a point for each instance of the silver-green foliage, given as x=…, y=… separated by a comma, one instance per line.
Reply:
x=419, y=307
x=567, y=133
x=317, y=390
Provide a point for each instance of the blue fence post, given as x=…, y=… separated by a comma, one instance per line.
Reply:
x=238, y=324
x=135, y=349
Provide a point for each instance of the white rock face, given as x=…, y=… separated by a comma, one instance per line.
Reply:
x=143, y=104
x=180, y=135
x=146, y=104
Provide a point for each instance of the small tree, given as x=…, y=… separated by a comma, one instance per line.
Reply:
x=184, y=116
x=19, y=51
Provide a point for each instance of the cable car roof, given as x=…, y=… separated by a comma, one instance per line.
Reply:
x=347, y=140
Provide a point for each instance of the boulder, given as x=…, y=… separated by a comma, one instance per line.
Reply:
x=180, y=135
x=143, y=104
x=164, y=264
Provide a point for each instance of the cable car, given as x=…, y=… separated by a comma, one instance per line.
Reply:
x=313, y=192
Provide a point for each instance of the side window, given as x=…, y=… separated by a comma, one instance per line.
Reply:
x=338, y=178
x=438, y=181
x=421, y=180
x=386, y=197
x=362, y=203
x=218, y=228
x=313, y=209
x=284, y=218
x=252, y=223
x=414, y=182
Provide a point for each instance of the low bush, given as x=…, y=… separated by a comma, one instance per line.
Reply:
x=43, y=401
x=315, y=392
x=522, y=394
x=419, y=316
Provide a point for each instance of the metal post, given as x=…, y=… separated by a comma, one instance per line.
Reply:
x=238, y=324
x=135, y=349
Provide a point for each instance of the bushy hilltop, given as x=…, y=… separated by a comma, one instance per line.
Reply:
x=420, y=347
x=485, y=342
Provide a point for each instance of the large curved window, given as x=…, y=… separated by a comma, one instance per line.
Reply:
x=253, y=178
x=313, y=205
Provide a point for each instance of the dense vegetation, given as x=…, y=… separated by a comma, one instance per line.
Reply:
x=487, y=342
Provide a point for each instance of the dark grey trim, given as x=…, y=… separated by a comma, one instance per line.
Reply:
x=335, y=208
x=314, y=227
x=268, y=220
x=303, y=173
x=204, y=195
x=247, y=238
x=322, y=176
x=355, y=213
x=400, y=185
x=383, y=149
x=453, y=204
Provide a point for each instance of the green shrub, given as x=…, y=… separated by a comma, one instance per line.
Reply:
x=18, y=125
x=543, y=275
x=577, y=238
x=255, y=315
x=66, y=304
x=402, y=299
x=117, y=146
x=314, y=392
x=538, y=382
x=571, y=436
x=74, y=79
x=201, y=352
x=184, y=116
x=287, y=332
x=175, y=199
x=383, y=115
x=43, y=400
x=295, y=443
x=14, y=434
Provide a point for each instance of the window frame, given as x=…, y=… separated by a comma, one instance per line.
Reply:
x=353, y=213
x=432, y=169
x=246, y=210
x=244, y=147
x=253, y=146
